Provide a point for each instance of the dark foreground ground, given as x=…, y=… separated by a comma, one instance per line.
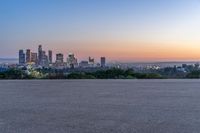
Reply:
x=100, y=106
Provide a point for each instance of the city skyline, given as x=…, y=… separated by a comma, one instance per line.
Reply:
x=42, y=58
x=51, y=54
x=125, y=31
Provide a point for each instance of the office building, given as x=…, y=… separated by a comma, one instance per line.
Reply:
x=72, y=61
x=91, y=62
x=34, y=58
x=103, y=61
x=28, y=56
x=40, y=54
x=44, y=61
x=59, y=58
x=84, y=64
x=21, y=57
x=50, y=56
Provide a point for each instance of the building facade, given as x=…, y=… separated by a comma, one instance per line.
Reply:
x=72, y=61
x=34, y=58
x=22, y=59
x=103, y=61
x=50, y=55
x=91, y=62
x=84, y=64
x=44, y=62
x=40, y=54
x=28, y=56
x=59, y=58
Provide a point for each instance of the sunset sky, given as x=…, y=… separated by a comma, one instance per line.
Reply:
x=121, y=30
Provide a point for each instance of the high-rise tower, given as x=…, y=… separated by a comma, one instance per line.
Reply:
x=103, y=61
x=59, y=58
x=21, y=57
x=34, y=58
x=50, y=57
x=28, y=56
x=40, y=54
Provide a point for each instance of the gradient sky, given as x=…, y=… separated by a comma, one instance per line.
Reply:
x=121, y=30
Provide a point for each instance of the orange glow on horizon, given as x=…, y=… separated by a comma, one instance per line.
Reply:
x=134, y=51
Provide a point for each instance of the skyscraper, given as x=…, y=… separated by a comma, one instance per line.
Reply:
x=72, y=61
x=50, y=57
x=103, y=61
x=40, y=54
x=34, y=58
x=44, y=61
x=59, y=58
x=21, y=57
x=28, y=56
x=91, y=62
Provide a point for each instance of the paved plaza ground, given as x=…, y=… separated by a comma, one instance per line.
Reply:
x=100, y=106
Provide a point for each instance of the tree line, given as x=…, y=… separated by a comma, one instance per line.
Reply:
x=113, y=73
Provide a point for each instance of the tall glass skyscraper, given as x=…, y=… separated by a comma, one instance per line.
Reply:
x=50, y=56
x=28, y=56
x=40, y=54
x=21, y=57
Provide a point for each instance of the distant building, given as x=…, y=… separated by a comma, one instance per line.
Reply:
x=4, y=67
x=28, y=56
x=103, y=61
x=59, y=58
x=34, y=58
x=98, y=65
x=50, y=56
x=184, y=65
x=84, y=64
x=40, y=54
x=91, y=62
x=59, y=64
x=196, y=65
x=21, y=57
x=71, y=61
x=44, y=61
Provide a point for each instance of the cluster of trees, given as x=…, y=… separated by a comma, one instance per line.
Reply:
x=194, y=74
x=171, y=73
x=113, y=73
x=14, y=74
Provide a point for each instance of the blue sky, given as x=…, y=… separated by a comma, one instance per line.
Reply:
x=102, y=27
